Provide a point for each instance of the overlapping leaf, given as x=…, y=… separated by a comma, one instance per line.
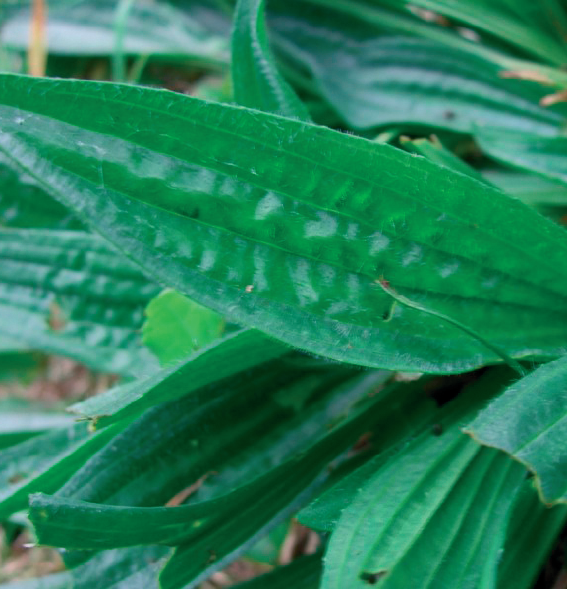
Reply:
x=546, y=156
x=256, y=80
x=528, y=422
x=70, y=293
x=288, y=227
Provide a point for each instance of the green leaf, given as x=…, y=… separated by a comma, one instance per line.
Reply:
x=24, y=204
x=417, y=83
x=531, y=29
x=90, y=28
x=44, y=463
x=523, y=558
x=238, y=213
x=194, y=444
x=302, y=573
x=255, y=77
x=529, y=188
x=527, y=422
x=436, y=152
x=232, y=354
x=438, y=512
x=71, y=293
x=176, y=326
x=121, y=569
x=546, y=156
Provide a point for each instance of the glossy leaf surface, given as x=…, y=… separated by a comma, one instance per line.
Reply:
x=528, y=422
x=374, y=78
x=71, y=293
x=175, y=326
x=302, y=257
x=255, y=77
x=546, y=156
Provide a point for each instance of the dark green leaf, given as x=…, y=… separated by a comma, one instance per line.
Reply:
x=530, y=520
x=302, y=573
x=232, y=354
x=255, y=77
x=438, y=512
x=530, y=27
x=44, y=463
x=287, y=227
x=24, y=204
x=528, y=422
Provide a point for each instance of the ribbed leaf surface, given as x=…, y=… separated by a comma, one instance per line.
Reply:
x=288, y=227
x=534, y=153
x=71, y=293
x=528, y=422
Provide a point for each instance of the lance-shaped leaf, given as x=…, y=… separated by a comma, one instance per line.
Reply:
x=546, y=156
x=528, y=422
x=231, y=355
x=45, y=463
x=438, y=512
x=289, y=227
x=374, y=76
x=91, y=27
x=535, y=29
x=71, y=293
x=78, y=524
x=193, y=447
x=255, y=77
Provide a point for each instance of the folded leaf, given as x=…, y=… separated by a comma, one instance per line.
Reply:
x=528, y=422
x=230, y=355
x=44, y=463
x=255, y=77
x=236, y=212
